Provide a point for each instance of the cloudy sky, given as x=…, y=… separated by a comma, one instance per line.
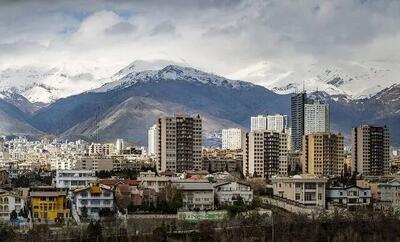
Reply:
x=221, y=36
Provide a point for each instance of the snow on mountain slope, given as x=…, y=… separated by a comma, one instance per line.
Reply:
x=355, y=80
x=40, y=84
x=171, y=72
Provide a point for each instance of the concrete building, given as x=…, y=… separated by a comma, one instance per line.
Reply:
x=102, y=149
x=119, y=146
x=323, y=154
x=229, y=192
x=152, y=140
x=277, y=123
x=49, y=203
x=370, y=153
x=265, y=154
x=94, y=198
x=98, y=163
x=232, y=139
x=73, y=179
x=352, y=197
x=196, y=194
x=179, y=143
x=304, y=189
x=316, y=117
x=389, y=194
x=10, y=201
x=298, y=101
x=258, y=123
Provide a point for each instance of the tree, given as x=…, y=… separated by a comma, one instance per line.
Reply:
x=13, y=215
x=94, y=230
x=84, y=212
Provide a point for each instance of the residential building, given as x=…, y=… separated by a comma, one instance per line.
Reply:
x=48, y=203
x=196, y=194
x=265, y=154
x=9, y=202
x=323, y=154
x=370, y=153
x=232, y=139
x=353, y=197
x=119, y=146
x=258, y=123
x=221, y=164
x=94, y=198
x=72, y=179
x=316, y=117
x=102, y=149
x=389, y=194
x=179, y=143
x=229, y=192
x=156, y=183
x=277, y=123
x=305, y=189
x=152, y=140
x=298, y=101
x=98, y=163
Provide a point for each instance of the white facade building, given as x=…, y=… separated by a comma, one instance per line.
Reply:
x=232, y=139
x=119, y=146
x=10, y=201
x=304, y=189
x=258, y=123
x=277, y=122
x=94, y=198
x=229, y=192
x=72, y=179
x=196, y=194
x=351, y=197
x=390, y=194
x=316, y=117
x=152, y=140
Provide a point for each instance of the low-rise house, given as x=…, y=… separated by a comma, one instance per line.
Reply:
x=352, y=197
x=389, y=194
x=307, y=190
x=49, y=203
x=72, y=179
x=156, y=183
x=126, y=194
x=196, y=194
x=229, y=192
x=93, y=199
x=9, y=202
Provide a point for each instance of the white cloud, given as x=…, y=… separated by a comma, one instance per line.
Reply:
x=220, y=36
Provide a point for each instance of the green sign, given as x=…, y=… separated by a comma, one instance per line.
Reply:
x=202, y=215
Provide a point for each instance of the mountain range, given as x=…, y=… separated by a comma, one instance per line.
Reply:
x=129, y=102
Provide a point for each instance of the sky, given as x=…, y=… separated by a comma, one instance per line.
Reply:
x=225, y=37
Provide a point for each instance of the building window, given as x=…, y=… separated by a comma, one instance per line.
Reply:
x=297, y=196
x=319, y=196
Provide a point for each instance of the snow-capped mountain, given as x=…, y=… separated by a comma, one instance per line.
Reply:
x=44, y=84
x=170, y=72
x=354, y=80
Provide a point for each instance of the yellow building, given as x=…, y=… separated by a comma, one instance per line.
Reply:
x=49, y=205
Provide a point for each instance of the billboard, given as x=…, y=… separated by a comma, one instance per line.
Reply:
x=202, y=215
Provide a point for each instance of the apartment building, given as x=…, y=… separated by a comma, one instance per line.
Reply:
x=196, y=194
x=316, y=117
x=94, y=198
x=323, y=154
x=265, y=154
x=179, y=145
x=232, y=139
x=228, y=193
x=9, y=202
x=98, y=163
x=370, y=154
x=298, y=101
x=152, y=140
x=73, y=179
x=305, y=189
x=102, y=149
x=352, y=197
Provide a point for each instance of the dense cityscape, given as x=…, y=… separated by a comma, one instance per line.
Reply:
x=200, y=121
x=282, y=167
